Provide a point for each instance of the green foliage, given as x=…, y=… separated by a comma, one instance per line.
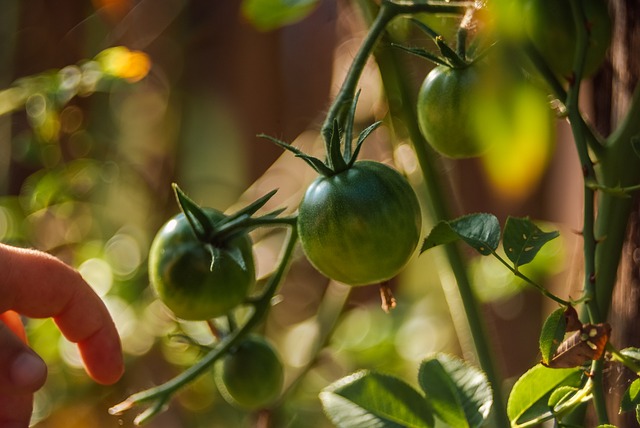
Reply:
x=370, y=399
x=552, y=333
x=529, y=398
x=480, y=231
x=454, y=391
x=522, y=240
x=459, y=394
x=272, y=14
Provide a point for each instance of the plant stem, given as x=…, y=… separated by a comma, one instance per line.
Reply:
x=400, y=104
x=160, y=394
x=588, y=230
x=523, y=277
x=388, y=10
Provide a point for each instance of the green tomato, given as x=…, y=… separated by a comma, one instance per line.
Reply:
x=251, y=375
x=550, y=25
x=446, y=111
x=360, y=226
x=184, y=277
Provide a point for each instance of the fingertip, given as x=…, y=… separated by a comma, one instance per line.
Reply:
x=102, y=359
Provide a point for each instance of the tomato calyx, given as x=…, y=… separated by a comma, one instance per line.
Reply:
x=448, y=57
x=339, y=154
x=216, y=235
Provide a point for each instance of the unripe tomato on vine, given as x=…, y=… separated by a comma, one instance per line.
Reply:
x=446, y=111
x=200, y=280
x=359, y=222
x=250, y=376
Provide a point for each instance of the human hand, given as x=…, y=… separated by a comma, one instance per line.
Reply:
x=38, y=285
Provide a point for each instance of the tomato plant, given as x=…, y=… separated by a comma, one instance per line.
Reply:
x=359, y=223
x=446, y=109
x=551, y=27
x=360, y=226
x=199, y=280
x=251, y=374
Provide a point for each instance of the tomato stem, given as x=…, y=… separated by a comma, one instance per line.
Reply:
x=588, y=231
x=523, y=277
x=400, y=103
x=388, y=10
x=160, y=394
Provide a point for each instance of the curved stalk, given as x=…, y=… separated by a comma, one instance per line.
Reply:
x=399, y=103
x=160, y=395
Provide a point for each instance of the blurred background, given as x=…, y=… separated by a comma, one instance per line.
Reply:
x=92, y=136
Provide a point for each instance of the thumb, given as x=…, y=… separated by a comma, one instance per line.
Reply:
x=22, y=371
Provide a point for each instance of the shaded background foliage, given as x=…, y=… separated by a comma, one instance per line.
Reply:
x=88, y=179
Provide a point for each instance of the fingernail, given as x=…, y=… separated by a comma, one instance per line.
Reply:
x=28, y=371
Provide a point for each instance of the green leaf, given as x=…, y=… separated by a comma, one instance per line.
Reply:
x=560, y=395
x=369, y=399
x=523, y=239
x=268, y=15
x=480, y=231
x=530, y=395
x=633, y=353
x=459, y=393
x=606, y=426
x=552, y=333
x=631, y=397
x=441, y=234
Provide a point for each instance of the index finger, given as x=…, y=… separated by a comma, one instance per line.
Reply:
x=39, y=285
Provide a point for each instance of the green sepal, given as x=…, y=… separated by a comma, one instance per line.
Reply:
x=361, y=137
x=253, y=207
x=236, y=255
x=313, y=162
x=449, y=54
x=422, y=53
x=199, y=221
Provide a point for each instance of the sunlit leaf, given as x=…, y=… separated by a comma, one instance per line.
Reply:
x=530, y=395
x=523, y=240
x=560, y=395
x=480, y=231
x=459, y=393
x=633, y=353
x=271, y=14
x=631, y=397
x=441, y=234
x=552, y=333
x=372, y=400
